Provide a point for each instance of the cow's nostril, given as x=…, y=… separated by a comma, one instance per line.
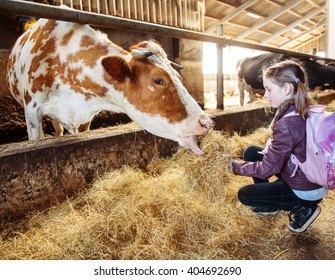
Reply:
x=205, y=122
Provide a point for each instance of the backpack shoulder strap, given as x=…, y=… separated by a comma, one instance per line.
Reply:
x=316, y=109
x=290, y=114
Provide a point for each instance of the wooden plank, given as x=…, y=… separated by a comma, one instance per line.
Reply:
x=140, y=12
x=133, y=9
x=164, y=13
x=129, y=8
x=67, y=3
x=95, y=6
x=112, y=7
x=126, y=9
x=170, y=15
x=104, y=7
x=87, y=5
x=202, y=16
x=146, y=9
x=152, y=9
x=77, y=4
x=193, y=8
x=159, y=12
x=184, y=14
x=119, y=8
x=176, y=12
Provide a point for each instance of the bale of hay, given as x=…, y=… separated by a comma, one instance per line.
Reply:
x=183, y=207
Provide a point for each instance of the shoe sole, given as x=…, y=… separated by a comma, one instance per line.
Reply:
x=308, y=222
x=274, y=213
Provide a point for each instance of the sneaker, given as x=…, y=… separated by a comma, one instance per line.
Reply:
x=265, y=211
x=301, y=217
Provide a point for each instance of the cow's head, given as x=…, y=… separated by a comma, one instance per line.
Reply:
x=154, y=95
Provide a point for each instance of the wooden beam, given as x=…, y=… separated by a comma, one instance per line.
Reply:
x=293, y=24
x=268, y=19
x=231, y=15
x=302, y=34
x=295, y=13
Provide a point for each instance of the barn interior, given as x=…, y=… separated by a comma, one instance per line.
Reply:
x=37, y=175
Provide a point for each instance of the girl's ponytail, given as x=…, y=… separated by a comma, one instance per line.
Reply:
x=301, y=97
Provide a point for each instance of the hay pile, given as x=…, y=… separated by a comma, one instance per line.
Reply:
x=184, y=207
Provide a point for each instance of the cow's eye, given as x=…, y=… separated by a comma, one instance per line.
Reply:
x=159, y=82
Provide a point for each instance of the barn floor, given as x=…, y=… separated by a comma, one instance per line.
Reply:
x=180, y=207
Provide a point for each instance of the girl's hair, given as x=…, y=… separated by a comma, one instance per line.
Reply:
x=291, y=71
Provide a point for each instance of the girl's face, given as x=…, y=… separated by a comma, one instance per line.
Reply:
x=276, y=94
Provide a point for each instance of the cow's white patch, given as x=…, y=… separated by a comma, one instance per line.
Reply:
x=151, y=88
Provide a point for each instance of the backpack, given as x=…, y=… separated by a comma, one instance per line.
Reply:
x=319, y=166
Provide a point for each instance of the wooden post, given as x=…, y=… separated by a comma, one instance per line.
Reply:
x=330, y=29
x=219, y=75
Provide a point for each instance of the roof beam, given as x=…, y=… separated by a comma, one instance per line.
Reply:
x=268, y=19
x=231, y=15
x=303, y=33
x=295, y=13
x=309, y=41
x=293, y=24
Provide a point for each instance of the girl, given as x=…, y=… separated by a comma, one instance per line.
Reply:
x=285, y=85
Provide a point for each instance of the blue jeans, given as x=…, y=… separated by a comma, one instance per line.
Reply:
x=271, y=196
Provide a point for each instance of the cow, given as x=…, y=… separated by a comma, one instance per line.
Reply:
x=70, y=72
x=249, y=73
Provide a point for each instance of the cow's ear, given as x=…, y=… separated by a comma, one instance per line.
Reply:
x=117, y=67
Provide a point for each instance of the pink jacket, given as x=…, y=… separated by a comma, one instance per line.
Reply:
x=289, y=136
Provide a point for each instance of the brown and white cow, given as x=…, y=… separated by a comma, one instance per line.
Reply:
x=70, y=72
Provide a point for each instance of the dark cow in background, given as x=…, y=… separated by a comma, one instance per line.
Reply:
x=249, y=73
